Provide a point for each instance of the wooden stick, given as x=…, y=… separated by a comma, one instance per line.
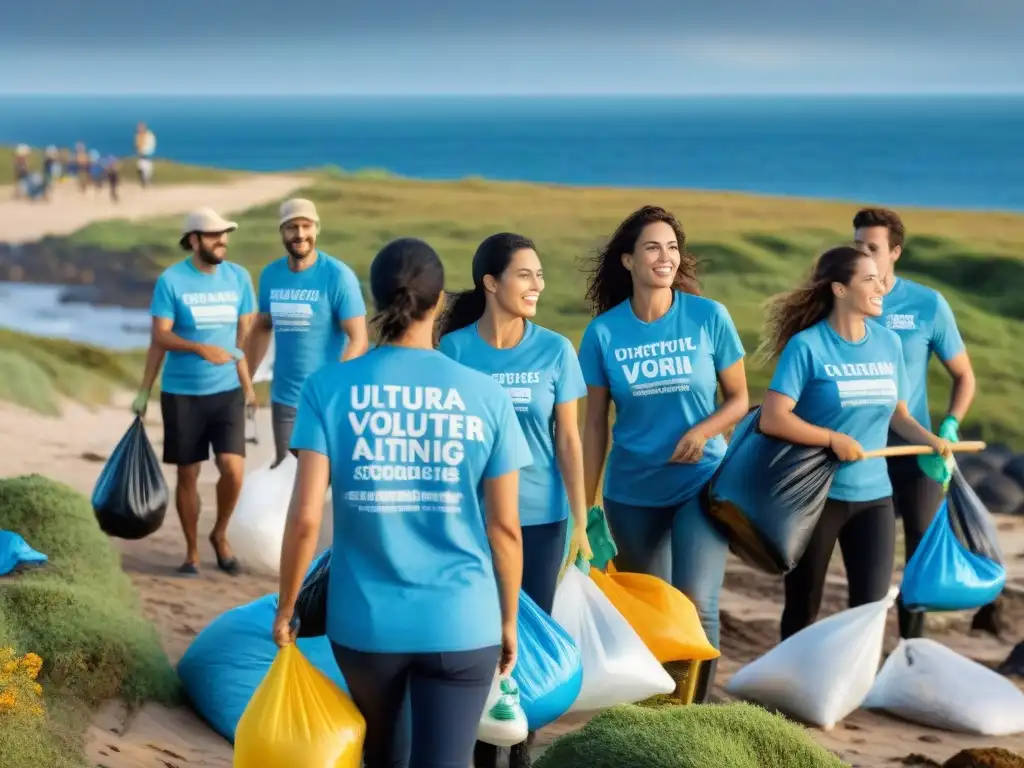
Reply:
x=968, y=446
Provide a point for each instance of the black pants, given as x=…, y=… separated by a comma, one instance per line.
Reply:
x=916, y=498
x=282, y=418
x=195, y=423
x=447, y=693
x=866, y=531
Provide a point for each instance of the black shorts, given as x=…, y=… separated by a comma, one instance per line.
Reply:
x=195, y=423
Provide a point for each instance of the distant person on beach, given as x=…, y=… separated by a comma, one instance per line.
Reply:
x=923, y=320
x=489, y=328
x=21, y=170
x=203, y=308
x=82, y=166
x=424, y=455
x=313, y=305
x=659, y=351
x=840, y=382
x=145, y=146
x=112, y=169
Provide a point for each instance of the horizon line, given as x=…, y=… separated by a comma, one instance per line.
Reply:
x=516, y=94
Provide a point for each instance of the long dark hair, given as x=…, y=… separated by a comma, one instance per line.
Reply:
x=406, y=280
x=789, y=313
x=610, y=283
x=492, y=257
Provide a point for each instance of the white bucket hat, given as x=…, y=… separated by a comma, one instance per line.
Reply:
x=298, y=208
x=204, y=221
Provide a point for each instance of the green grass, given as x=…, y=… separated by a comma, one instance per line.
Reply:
x=164, y=171
x=703, y=736
x=81, y=615
x=750, y=247
x=37, y=372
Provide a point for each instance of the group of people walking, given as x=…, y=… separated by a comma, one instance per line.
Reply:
x=453, y=449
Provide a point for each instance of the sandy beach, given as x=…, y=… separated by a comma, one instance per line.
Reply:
x=73, y=447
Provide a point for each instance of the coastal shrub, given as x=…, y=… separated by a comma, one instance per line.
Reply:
x=23, y=382
x=80, y=615
x=986, y=757
x=737, y=735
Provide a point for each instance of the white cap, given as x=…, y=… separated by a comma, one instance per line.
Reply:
x=298, y=208
x=204, y=221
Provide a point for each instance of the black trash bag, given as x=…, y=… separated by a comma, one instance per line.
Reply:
x=970, y=519
x=1000, y=494
x=131, y=495
x=311, y=604
x=767, y=496
x=1014, y=664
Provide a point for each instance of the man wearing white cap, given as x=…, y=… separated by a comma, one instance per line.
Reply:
x=203, y=308
x=313, y=304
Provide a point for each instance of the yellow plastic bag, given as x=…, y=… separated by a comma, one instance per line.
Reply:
x=663, y=616
x=298, y=717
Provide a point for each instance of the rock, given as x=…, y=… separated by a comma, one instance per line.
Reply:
x=1014, y=664
x=974, y=468
x=1000, y=494
x=998, y=454
x=1014, y=469
x=985, y=757
x=988, y=618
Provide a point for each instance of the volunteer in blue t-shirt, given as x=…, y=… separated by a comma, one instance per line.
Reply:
x=313, y=304
x=925, y=324
x=424, y=456
x=203, y=308
x=841, y=383
x=659, y=351
x=488, y=328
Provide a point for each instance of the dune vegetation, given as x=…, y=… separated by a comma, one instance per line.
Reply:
x=749, y=246
x=80, y=616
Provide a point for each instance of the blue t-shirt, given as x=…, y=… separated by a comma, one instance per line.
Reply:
x=848, y=387
x=663, y=379
x=411, y=435
x=925, y=324
x=307, y=309
x=540, y=372
x=205, y=308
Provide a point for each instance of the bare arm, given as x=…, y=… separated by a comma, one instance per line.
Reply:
x=735, y=402
x=358, y=338
x=595, y=441
x=245, y=324
x=169, y=341
x=302, y=528
x=569, y=453
x=964, y=385
x=154, y=359
x=506, y=538
x=907, y=427
x=259, y=341
x=778, y=420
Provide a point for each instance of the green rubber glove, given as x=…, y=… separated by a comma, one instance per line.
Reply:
x=600, y=536
x=140, y=403
x=938, y=469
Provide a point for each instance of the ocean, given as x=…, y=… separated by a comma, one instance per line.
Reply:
x=950, y=152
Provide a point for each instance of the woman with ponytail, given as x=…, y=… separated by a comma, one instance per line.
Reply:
x=423, y=592
x=660, y=352
x=840, y=382
x=490, y=328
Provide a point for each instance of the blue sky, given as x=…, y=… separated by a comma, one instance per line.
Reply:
x=525, y=47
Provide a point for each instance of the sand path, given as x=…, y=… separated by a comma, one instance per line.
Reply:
x=157, y=737
x=70, y=210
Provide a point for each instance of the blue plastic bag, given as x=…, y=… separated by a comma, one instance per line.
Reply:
x=958, y=564
x=15, y=551
x=549, y=671
x=229, y=659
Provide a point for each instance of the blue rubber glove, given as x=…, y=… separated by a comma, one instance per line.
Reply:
x=938, y=469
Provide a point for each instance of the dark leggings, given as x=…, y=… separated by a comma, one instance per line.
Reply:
x=916, y=498
x=543, y=550
x=866, y=531
x=447, y=693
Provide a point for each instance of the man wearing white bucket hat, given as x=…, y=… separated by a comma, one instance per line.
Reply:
x=313, y=304
x=203, y=308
